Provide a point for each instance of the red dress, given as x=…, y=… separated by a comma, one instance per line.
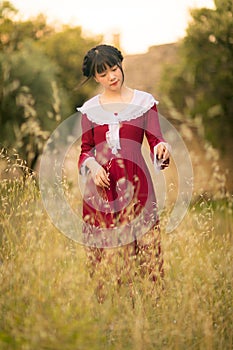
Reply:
x=120, y=214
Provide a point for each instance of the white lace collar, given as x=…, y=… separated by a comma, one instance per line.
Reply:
x=95, y=112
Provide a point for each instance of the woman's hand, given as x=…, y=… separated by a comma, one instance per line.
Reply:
x=98, y=173
x=101, y=178
x=163, y=155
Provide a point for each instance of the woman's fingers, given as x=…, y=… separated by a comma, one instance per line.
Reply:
x=159, y=154
x=162, y=152
x=102, y=179
x=166, y=154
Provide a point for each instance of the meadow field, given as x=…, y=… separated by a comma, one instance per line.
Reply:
x=48, y=301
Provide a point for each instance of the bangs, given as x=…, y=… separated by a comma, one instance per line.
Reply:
x=102, y=62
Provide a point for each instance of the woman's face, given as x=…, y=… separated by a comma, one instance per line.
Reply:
x=111, y=78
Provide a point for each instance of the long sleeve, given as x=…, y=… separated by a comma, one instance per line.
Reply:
x=152, y=129
x=88, y=144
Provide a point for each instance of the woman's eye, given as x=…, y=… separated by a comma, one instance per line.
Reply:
x=114, y=68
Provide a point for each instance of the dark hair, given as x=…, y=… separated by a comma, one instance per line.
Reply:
x=98, y=58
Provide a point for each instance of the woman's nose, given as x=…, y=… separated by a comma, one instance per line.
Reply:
x=111, y=76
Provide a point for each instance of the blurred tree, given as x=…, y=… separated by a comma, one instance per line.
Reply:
x=201, y=84
x=39, y=70
x=67, y=48
x=13, y=32
x=28, y=92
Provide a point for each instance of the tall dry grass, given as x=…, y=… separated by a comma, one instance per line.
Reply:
x=48, y=299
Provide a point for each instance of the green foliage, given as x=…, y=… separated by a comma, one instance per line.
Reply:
x=28, y=79
x=67, y=49
x=39, y=71
x=13, y=32
x=201, y=85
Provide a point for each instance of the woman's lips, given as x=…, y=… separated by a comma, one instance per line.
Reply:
x=115, y=83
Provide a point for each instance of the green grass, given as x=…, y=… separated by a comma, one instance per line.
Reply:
x=48, y=300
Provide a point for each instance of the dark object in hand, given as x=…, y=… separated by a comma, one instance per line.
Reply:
x=163, y=163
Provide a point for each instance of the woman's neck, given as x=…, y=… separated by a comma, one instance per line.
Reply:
x=123, y=95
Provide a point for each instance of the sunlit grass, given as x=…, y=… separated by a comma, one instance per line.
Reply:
x=48, y=299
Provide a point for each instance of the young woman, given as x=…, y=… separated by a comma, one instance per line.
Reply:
x=119, y=204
